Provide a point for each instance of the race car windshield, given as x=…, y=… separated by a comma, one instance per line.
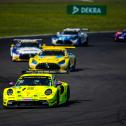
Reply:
x=70, y=33
x=34, y=81
x=28, y=45
x=52, y=53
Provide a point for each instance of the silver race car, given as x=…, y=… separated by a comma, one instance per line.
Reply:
x=23, y=49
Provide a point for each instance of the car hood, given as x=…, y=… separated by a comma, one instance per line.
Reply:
x=28, y=50
x=49, y=59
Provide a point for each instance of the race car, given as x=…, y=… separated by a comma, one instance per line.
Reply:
x=35, y=88
x=71, y=36
x=23, y=49
x=55, y=59
x=120, y=35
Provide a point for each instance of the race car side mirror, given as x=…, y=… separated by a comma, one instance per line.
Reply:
x=11, y=83
x=58, y=83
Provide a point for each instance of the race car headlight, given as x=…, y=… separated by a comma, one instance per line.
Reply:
x=16, y=52
x=48, y=92
x=9, y=92
x=34, y=61
x=62, y=62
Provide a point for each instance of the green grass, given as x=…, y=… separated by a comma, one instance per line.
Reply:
x=39, y=18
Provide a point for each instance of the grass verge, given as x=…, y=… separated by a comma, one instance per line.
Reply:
x=39, y=18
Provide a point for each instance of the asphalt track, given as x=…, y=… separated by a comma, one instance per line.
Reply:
x=98, y=87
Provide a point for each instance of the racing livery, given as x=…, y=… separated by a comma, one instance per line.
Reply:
x=53, y=59
x=25, y=48
x=36, y=89
x=120, y=35
x=71, y=36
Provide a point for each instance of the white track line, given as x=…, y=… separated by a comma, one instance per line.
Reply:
x=26, y=36
x=39, y=35
x=87, y=0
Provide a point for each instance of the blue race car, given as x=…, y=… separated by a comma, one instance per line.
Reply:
x=120, y=35
x=71, y=36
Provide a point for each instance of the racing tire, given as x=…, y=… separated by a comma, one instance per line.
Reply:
x=5, y=107
x=74, y=66
x=116, y=40
x=68, y=68
x=12, y=59
x=68, y=95
x=85, y=43
x=79, y=43
x=57, y=100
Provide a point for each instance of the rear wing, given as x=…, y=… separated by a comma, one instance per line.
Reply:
x=27, y=40
x=85, y=29
x=44, y=46
x=43, y=71
x=76, y=29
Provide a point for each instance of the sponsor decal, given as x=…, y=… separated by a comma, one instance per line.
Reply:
x=86, y=9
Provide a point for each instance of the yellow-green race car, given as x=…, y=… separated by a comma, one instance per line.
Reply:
x=54, y=59
x=36, y=89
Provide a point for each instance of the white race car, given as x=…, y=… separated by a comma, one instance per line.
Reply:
x=71, y=36
x=25, y=48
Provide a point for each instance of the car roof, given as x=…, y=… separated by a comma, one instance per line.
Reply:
x=27, y=40
x=45, y=47
x=37, y=74
x=54, y=49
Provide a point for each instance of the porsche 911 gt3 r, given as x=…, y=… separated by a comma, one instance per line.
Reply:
x=120, y=35
x=71, y=36
x=36, y=89
x=54, y=59
x=25, y=48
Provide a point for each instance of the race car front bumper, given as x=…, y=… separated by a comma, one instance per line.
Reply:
x=22, y=57
x=30, y=102
x=64, y=42
x=49, y=67
x=12, y=103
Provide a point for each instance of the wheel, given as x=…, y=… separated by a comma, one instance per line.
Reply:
x=86, y=43
x=74, y=66
x=12, y=59
x=116, y=40
x=68, y=94
x=57, y=100
x=68, y=68
x=5, y=107
x=79, y=42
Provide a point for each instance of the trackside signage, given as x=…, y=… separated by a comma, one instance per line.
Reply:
x=86, y=9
